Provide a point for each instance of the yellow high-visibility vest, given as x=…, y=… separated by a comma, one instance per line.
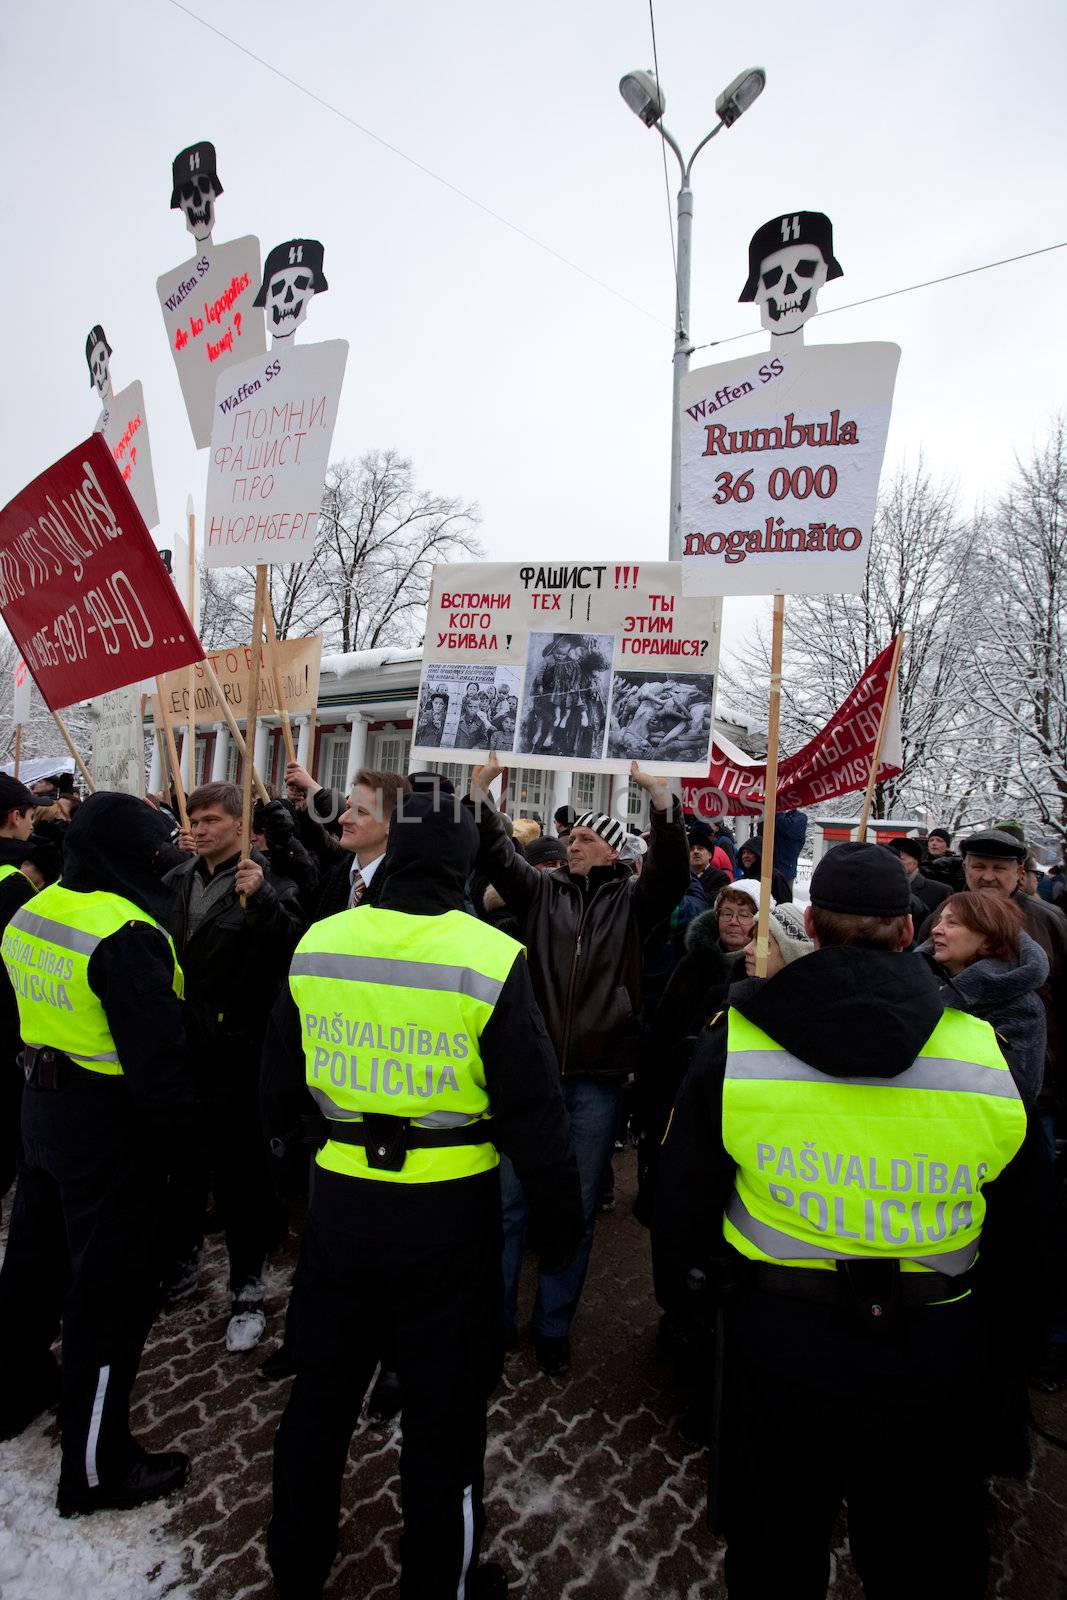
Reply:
x=46, y=949
x=832, y=1168
x=392, y=1008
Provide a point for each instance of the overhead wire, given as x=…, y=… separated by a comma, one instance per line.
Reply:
x=663, y=152
x=419, y=166
x=889, y=294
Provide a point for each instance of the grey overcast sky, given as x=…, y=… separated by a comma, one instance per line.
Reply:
x=933, y=135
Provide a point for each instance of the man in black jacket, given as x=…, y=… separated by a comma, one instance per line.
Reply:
x=235, y=928
x=16, y=887
x=927, y=891
x=97, y=1132
x=583, y=929
x=402, y=1245
x=826, y=1168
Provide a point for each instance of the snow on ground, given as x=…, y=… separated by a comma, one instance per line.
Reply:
x=112, y=1555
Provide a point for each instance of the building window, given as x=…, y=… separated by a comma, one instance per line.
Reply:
x=527, y=791
x=232, y=762
x=584, y=792
x=457, y=774
x=391, y=752
x=333, y=761
x=199, y=761
x=636, y=804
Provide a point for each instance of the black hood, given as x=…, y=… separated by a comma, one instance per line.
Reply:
x=433, y=841
x=849, y=1012
x=13, y=852
x=114, y=844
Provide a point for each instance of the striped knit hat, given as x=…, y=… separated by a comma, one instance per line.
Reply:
x=610, y=829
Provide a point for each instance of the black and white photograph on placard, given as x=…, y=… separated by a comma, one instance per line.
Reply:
x=466, y=707
x=565, y=696
x=658, y=717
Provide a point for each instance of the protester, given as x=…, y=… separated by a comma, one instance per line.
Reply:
x=928, y=893
x=235, y=927
x=990, y=967
x=274, y=836
x=993, y=860
x=546, y=854
x=789, y=1179
x=109, y=1095
x=750, y=859
x=564, y=818
x=364, y=830
x=526, y=830
x=591, y=1009
x=790, y=832
x=942, y=864
x=708, y=862
x=402, y=1245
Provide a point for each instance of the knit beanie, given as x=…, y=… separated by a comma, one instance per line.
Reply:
x=786, y=928
x=610, y=829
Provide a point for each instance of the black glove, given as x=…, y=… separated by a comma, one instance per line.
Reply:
x=275, y=821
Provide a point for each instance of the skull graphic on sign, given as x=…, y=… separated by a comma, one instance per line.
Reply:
x=97, y=356
x=195, y=187
x=292, y=277
x=789, y=259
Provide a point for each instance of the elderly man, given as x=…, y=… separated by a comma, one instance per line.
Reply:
x=928, y=892
x=583, y=927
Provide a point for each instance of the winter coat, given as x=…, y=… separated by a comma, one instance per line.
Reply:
x=781, y=886
x=236, y=959
x=665, y=946
x=945, y=869
x=930, y=892
x=584, y=937
x=1003, y=994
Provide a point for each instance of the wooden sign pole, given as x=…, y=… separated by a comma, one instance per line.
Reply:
x=172, y=754
x=253, y=710
x=190, y=764
x=883, y=721
x=279, y=691
x=770, y=788
x=69, y=742
x=18, y=748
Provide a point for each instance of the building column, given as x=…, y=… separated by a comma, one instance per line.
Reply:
x=155, y=771
x=221, y=759
x=357, y=746
x=303, y=741
x=562, y=785
x=259, y=749
x=417, y=764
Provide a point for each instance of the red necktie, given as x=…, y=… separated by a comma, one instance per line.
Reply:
x=359, y=889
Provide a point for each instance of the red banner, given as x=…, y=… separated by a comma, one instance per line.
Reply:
x=836, y=761
x=82, y=588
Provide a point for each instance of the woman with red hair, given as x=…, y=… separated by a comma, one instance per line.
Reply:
x=991, y=967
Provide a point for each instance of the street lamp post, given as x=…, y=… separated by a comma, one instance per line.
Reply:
x=646, y=100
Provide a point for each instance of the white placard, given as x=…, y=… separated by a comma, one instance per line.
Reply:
x=584, y=665
x=780, y=462
x=124, y=424
x=211, y=323
x=270, y=447
x=118, y=741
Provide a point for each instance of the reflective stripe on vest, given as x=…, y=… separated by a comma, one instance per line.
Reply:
x=46, y=950
x=833, y=1168
x=391, y=1020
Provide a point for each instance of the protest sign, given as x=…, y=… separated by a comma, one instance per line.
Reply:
x=835, y=762
x=780, y=462
x=82, y=588
x=118, y=741
x=124, y=426
x=298, y=660
x=20, y=705
x=270, y=447
x=587, y=666
x=211, y=323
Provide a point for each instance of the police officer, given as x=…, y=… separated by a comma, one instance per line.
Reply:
x=108, y=1087
x=414, y=1028
x=827, y=1161
x=16, y=887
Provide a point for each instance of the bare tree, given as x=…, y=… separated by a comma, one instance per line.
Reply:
x=918, y=582
x=368, y=582
x=1016, y=672
x=40, y=736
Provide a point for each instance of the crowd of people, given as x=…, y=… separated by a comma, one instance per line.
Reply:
x=418, y=1031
